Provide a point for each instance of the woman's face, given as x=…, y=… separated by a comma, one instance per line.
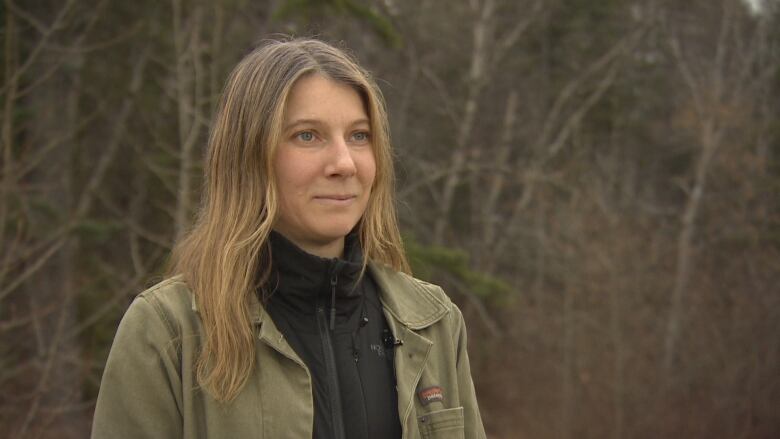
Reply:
x=324, y=165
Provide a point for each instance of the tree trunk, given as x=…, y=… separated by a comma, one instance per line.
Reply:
x=189, y=94
x=567, y=366
x=476, y=80
x=501, y=168
x=51, y=298
x=675, y=320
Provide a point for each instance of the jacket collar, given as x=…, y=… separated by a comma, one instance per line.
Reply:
x=299, y=277
x=406, y=300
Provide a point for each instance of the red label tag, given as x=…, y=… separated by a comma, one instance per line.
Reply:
x=431, y=394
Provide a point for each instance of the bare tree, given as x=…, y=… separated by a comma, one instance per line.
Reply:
x=487, y=52
x=720, y=83
x=191, y=85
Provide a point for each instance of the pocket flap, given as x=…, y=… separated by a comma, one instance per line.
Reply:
x=440, y=420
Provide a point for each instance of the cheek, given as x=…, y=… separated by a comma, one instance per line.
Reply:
x=368, y=170
x=292, y=174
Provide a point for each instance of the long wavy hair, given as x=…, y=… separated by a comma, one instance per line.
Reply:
x=224, y=257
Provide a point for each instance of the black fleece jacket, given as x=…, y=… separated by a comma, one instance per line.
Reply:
x=350, y=358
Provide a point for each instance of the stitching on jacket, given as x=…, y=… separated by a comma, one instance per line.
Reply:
x=429, y=293
x=155, y=304
x=150, y=296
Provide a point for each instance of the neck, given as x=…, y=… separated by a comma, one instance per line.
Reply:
x=327, y=250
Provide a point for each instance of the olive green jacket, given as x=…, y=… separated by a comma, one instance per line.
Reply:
x=149, y=388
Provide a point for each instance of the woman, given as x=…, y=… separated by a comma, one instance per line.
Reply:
x=289, y=313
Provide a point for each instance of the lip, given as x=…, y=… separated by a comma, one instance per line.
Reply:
x=338, y=199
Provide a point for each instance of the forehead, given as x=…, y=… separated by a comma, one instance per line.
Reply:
x=315, y=96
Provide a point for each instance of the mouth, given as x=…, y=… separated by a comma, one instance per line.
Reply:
x=336, y=200
x=336, y=197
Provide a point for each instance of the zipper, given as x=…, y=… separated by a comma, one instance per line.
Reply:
x=333, y=280
x=330, y=362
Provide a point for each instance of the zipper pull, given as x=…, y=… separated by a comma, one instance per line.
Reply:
x=355, y=349
x=333, y=281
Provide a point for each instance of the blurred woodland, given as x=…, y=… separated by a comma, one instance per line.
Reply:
x=595, y=183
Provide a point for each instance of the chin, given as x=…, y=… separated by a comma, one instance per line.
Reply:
x=337, y=231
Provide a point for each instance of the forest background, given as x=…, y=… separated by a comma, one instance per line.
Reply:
x=595, y=183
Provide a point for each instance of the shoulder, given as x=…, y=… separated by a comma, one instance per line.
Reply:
x=413, y=301
x=422, y=288
x=170, y=294
x=169, y=301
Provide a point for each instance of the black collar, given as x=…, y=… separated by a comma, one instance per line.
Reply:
x=301, y=278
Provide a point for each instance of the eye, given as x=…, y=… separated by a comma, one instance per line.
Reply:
x=361, y=136
x=305, y=136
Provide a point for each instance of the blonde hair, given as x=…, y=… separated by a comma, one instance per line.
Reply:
x=224, y=258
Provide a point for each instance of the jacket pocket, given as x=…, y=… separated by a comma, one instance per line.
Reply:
x=441, y=424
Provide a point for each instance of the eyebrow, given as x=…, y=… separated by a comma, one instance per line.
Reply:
x=318, y=121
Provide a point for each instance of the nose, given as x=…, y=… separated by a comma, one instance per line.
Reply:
x=341, y=163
